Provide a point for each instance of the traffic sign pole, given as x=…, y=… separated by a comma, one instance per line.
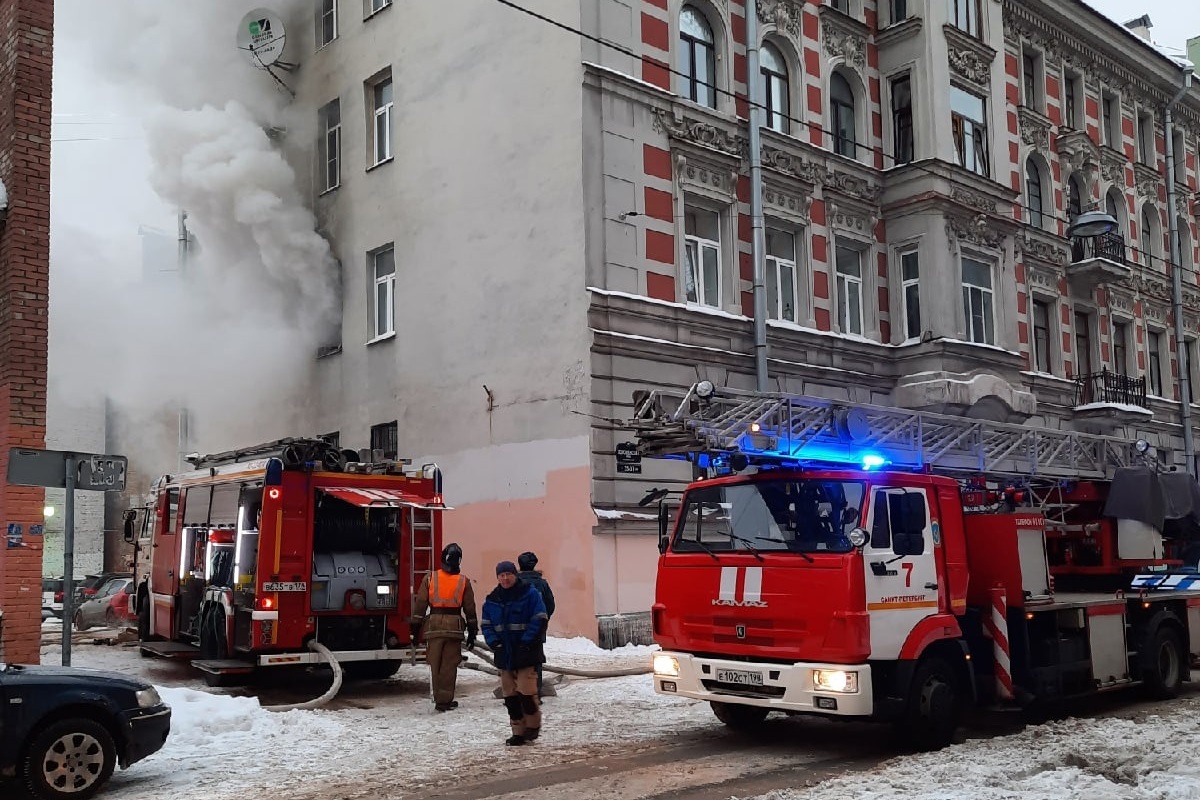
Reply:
x=68, y=560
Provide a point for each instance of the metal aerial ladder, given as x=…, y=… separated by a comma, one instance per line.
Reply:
x=776, y=427
x=422, y=559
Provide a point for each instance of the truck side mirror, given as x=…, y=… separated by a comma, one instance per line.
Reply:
x=664, y=521
x=129, y=533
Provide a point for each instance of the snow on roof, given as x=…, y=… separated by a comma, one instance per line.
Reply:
x=1174, y=54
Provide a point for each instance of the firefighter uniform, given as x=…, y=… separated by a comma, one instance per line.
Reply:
x=448, y=599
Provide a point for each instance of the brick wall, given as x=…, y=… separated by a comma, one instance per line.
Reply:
x=26, y=54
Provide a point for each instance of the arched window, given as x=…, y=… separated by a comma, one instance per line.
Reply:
x=1185, y=244
x=1112, y=206
x=1149, y=233
x=841, y=116
x=1033, y=194
x=697, y=57
x=1074, y=198
x=775, y=80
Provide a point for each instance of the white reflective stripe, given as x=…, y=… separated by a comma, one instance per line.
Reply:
x=728, y=584
x=261, y=615
x=752, y=591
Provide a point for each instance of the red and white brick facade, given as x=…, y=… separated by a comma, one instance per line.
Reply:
x=26, y=48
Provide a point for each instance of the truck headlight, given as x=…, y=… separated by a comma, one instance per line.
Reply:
x=666, y=665
x=148, y=698
x=835, y=680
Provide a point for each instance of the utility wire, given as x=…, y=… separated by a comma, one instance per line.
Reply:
x=812, y=126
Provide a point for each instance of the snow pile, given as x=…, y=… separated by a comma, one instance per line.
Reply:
x=1146, y=758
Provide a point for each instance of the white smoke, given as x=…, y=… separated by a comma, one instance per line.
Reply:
x=239, y=328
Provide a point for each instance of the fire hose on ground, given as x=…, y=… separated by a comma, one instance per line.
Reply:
x=329, y=694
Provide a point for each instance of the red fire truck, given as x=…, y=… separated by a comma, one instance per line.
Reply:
x=256, y=553
x=867, y=562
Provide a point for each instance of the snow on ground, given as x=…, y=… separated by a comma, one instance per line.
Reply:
x=1147, y=757
x=378, y=734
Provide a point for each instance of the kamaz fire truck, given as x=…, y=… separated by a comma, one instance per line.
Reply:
x=866, y=562
x=256, y=553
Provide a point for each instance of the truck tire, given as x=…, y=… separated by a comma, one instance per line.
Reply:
x=932, y=713
x=739, y=717
x=1163, y=663
x=69, y=758
x=143, y=618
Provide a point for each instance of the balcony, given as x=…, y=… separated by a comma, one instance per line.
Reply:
x=1108, y=399
x=1098, y=261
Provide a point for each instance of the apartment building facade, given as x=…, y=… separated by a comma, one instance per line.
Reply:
x=532, y=223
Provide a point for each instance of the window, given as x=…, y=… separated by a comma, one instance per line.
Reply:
x=899, y=10
x=1110, y=120
x=383, y=267
x=964, y=15
x=382, y=94
x=1179, y=153
x=968, y=122
x=386, y=438
x=902, y=119
x=330, y=146
x=775, y=83
x=841, y=113
x=977, y=301
x=1041, y=337
x=1033, y=193
x=1072, y=91
x=1029, y=80
x=1154, y=345
x=1146, y=139
x=1120, y=347
x=702, y=248
x=374, y=6
x=1112, y=206
x=1190, y=363
x=840, y=5
x=697, y=57
x=1083, y=344
x=332, y=439
x=327, y=23
x=910, y=281
x=1148, y=247
x=781, y=275
x=1074, y=198
x=849, y=290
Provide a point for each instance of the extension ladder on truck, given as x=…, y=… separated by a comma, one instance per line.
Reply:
x=422, y=558
x=792, y=427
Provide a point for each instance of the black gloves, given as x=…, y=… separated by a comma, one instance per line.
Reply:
x=414, y=631
x=472, y=632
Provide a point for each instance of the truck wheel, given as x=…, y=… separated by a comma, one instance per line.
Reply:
x=143, y=618
x=933, y=709
x=739, y=717
x=70, y=758
x=1163, y=663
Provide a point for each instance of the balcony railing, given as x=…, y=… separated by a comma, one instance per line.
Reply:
x=1110, y=387
x=1109, y=246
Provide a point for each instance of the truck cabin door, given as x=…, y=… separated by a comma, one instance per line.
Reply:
x=901, y=573
x=164, y=578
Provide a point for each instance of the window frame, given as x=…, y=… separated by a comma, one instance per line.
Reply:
x=898, y=11
x=967, y=16
x=1154, y=375
x=688, y=44
x=386, y=433
x=327, y=9
x=775, y=265
x=388, y=282
x=910, y=287
x=843, y=281
x=1110, y=116
x=986, y=296
x=1043, y=363
x=962, y=127
x=331, y=140
x=1120, y=341
x=373, y=7
x=902, y=121
x=695, y=245
x=1084, y=342
x=1033, y=81
x=1146, y=140
x=1072, y=86
x=386, y=112
x=838, y=107
x=1034, y=179
x=771, y=76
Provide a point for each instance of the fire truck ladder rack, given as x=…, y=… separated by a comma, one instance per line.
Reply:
x=273, y=448
x=420, y=542
x=782, y=428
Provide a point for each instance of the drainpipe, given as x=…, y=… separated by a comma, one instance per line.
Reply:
x=757, y=109
x=1181, y=354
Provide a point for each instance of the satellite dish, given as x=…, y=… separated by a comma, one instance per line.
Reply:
x=262, y=37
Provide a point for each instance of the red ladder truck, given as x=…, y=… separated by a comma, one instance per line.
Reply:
x=256, y=553
x=866, y=562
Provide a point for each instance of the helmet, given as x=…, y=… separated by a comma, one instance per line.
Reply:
x=527, y=561
x=451, y=557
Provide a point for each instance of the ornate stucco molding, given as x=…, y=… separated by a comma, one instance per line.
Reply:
x=842, y=40
x=850, y=219
x=978, y=230
x=1112, y=166
x=698, y=132
x=814, y=174
x=694, y=175
x=1147, y=179
x=966, y=197
x=1036, y=249
x=1080, y=153
x=786, y=15
x=788, y=203
x=1035, y=129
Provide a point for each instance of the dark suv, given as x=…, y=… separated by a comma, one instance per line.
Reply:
x=63, y=730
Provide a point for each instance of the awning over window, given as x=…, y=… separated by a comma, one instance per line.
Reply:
x=378, y=498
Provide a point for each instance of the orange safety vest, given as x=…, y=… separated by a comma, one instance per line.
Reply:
x=446, y=590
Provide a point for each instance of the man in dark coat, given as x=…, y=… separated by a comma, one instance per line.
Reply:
x=529, y=573
x=514, y=618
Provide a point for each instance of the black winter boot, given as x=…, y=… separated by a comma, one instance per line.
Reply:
x=515, y=740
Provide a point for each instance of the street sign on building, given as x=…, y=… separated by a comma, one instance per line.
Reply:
x=629, y=461
x=64, y=469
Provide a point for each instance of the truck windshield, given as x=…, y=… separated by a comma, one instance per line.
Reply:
x=796, y=516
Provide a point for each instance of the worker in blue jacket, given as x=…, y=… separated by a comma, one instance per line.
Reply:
x=513, y=619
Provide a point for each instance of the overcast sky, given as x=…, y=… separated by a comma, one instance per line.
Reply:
x=1175, y=21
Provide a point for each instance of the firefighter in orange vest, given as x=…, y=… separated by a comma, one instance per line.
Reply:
x=448, y=598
